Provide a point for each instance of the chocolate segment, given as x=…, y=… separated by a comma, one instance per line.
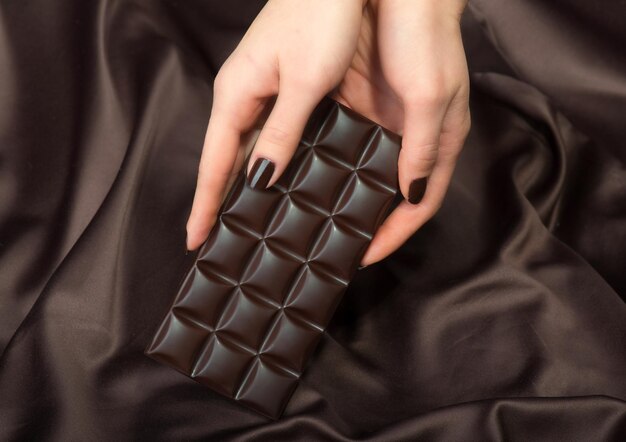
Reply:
x=267, y=281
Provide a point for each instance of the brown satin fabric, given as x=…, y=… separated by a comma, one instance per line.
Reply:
x=502, y=319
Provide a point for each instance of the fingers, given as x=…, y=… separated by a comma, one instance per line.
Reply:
x=280, y=135
x=404, y=221
x=235, y=110
x=232, y=113
x=423, y=119
x=407, y=218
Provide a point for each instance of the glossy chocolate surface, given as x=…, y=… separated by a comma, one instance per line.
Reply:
x=265, y=285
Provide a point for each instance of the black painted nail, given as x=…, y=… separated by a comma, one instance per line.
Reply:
x=260, y=174
x=417, y=190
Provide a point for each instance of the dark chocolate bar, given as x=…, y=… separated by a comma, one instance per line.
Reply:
x=267, y=281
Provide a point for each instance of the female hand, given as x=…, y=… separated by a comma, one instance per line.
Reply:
x=299, y=50
x=410, y=75
x=402, y=65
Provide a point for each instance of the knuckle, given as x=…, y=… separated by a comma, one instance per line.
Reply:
x=432, y=98
x=223, y=80
x=423, y=156
x=307, y=81
x=226, y=78
x=316, y=74
x=276, y=135
x=421, y=164
x=432, y=93
x=421, y=169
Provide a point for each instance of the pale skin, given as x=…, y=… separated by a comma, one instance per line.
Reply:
x=398, y=62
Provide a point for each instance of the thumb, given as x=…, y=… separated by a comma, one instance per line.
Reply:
x=420, y=147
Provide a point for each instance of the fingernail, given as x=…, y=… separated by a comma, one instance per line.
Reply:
x=260, y=174
x=417, y=190
x=361, y=267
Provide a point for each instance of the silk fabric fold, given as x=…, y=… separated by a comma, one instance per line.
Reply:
x=503, y=318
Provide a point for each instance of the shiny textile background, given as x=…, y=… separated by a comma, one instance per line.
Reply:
x=502, y=319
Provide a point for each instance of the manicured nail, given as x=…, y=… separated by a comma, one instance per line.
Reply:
x=417, y=190
x=260, y=174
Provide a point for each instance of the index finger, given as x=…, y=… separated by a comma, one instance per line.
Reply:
x=233, y=112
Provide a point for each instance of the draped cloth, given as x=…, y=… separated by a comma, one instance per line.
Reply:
x=503, y=318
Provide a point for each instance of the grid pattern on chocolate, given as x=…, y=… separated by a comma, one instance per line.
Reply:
x=264, y=287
